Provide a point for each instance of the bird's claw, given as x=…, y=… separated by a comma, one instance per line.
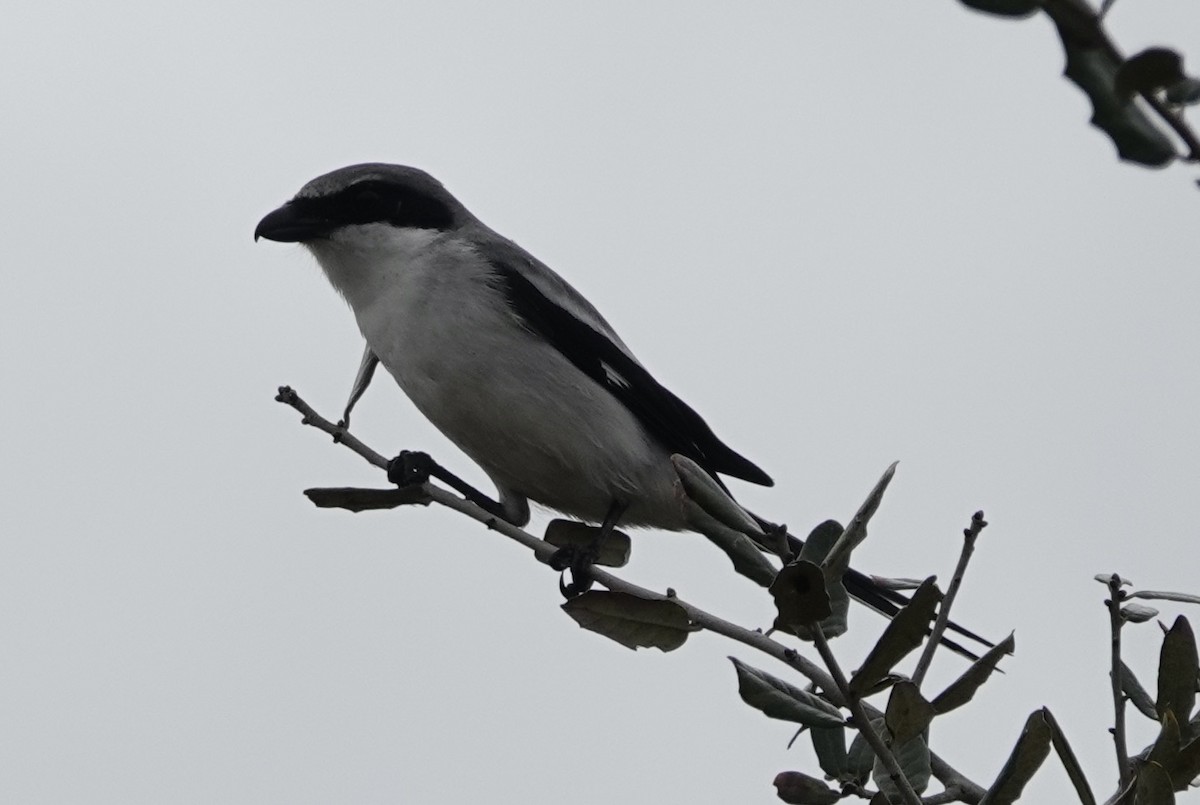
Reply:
x=579, y=561
x=409, y=468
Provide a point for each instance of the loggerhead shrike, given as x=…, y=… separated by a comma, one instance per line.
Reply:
x=504, y=357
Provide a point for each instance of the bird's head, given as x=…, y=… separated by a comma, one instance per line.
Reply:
x=350, y=201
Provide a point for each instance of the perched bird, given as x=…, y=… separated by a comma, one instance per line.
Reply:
x=504, y=357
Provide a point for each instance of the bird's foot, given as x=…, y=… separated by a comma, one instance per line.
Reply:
x=579, y=562
x=411, y=467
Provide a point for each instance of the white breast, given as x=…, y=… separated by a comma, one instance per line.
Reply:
x=428, y=306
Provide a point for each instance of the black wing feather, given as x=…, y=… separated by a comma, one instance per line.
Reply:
x=668, y=418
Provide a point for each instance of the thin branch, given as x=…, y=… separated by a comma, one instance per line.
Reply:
x=863, y=721
x=1115, y=596
x=943, y=771
x=340, y=434
x=970, y=535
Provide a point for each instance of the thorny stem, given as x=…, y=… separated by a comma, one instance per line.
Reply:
x=1115, y=596
x=970, y=534
x=951, y=778
x=862, y=721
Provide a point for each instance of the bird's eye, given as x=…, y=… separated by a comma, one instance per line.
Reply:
x=367, y=199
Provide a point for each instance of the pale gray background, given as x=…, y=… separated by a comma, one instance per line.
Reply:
x=847, y=232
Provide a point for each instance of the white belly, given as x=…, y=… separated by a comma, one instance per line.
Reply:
x=538, y=427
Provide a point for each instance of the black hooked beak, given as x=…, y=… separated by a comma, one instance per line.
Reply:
x=290, y=224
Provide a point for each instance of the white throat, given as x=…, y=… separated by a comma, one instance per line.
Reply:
x=364, y=262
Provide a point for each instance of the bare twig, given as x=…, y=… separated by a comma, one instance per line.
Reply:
x=970, y=534
x=1115, y=596
x=943, y=771
x=862, y=720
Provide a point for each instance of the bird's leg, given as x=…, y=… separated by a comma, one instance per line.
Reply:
x=580, y=562
x=366, y=368
x=415, y=467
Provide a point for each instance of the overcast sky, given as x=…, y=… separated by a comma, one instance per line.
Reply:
x=846, y=232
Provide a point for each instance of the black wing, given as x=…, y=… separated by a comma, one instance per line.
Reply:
x=668, y=418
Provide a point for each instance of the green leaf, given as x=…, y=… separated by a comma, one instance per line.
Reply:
x=710, y=496
x=1149, y=71
x=1153, y=786
x=361, y=500
x=908, y=713
x=963, y=689
x=747, y=559
x=1138, y=613
x=830, y=745
x=837, y=561
x=778, y=699
x=1137, y=694
x=1069, y=761
x=1177, y=668
x=631, y=621
x=1004, y=8
x=614, y=551
x=1186, y=766
x=1026, y=758
x=1166, y=746
x=904, y=633
x=1093, y=67
x=1162, y=595
x=820, y=540
x=797, y=788
x=860, y=760
x=913, y=757
x=800, y=596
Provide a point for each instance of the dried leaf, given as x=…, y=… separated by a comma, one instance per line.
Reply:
x=908, y=713
x=1104, y=578
x=797, y=788
x=631, y=621
x=778, y=699
x=1026, y=758
x=963, y=689
x=904, y=633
